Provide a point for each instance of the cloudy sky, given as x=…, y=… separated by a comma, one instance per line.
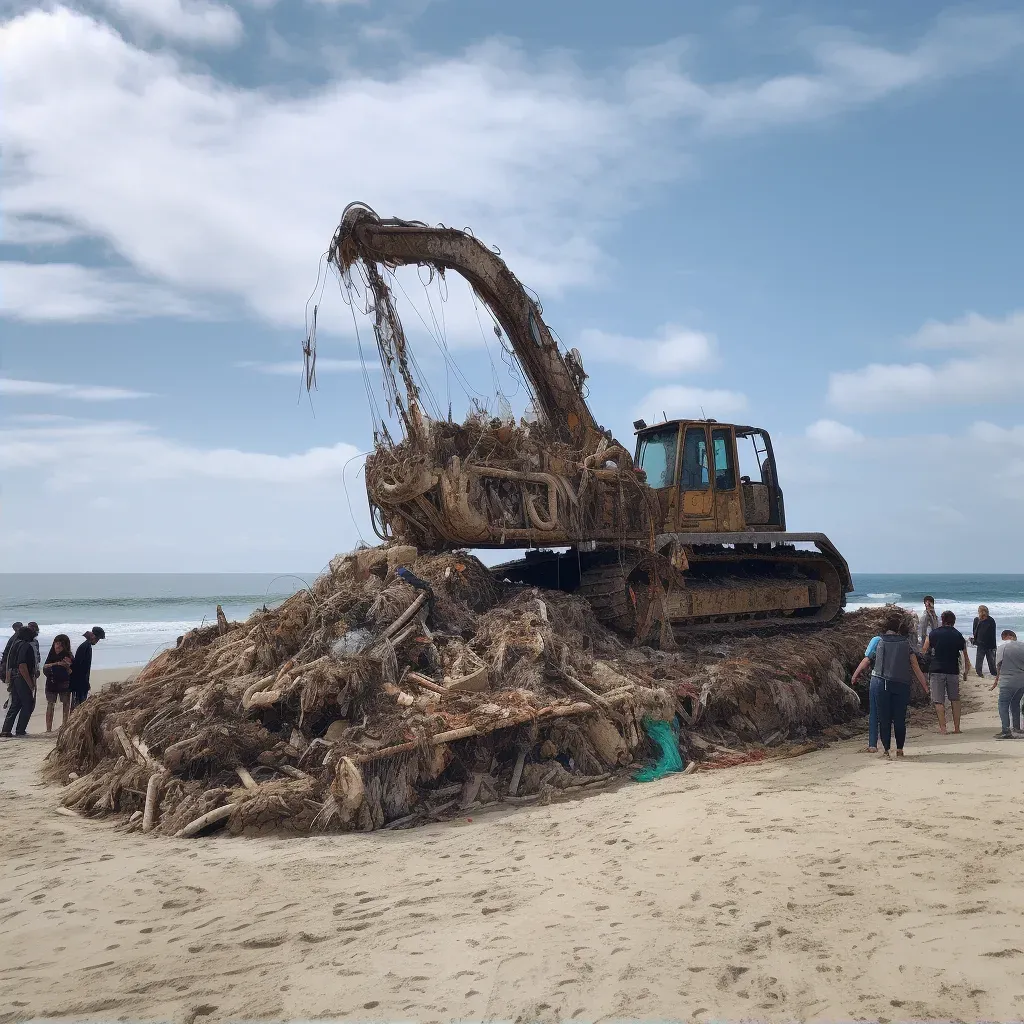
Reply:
x=802, y=215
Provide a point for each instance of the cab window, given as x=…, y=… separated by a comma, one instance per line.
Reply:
x=658, y=457
x=695, y=460
x=725, y=471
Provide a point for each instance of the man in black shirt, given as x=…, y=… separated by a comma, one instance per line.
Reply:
x=946, y=645
x=82, y=666
x=22, y=667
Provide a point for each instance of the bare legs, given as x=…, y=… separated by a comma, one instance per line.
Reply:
x=65, y=707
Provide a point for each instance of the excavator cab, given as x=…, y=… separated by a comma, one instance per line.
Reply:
x=694, y=468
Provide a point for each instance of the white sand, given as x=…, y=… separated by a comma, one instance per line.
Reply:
x=830, y=886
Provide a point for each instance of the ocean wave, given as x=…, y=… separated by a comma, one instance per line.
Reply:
x=143, y=602
x=887, y=598
x=1010, y=612
x=124, y=634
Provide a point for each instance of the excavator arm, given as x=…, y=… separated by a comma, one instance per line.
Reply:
x=555, y=381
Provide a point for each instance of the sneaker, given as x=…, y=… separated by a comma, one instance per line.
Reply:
x=1017, y=733
x=1004, y=736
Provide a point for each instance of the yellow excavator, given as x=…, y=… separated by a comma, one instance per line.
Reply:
x=668, y=536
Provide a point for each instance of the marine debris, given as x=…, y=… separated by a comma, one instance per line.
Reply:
x=403, y=688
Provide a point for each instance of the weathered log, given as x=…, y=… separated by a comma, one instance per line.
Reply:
x=257, y=687
x=600, y=702
x=264, y=699
x=247, y=780
x=423, y=681
x=122, y=738
x=193, y=828
x=517, y=773
x=153, y=793
x=389, y=631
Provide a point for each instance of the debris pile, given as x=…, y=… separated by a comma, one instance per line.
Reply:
x=404, y=688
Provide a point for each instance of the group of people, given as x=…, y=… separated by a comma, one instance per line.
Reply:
x=66, y=673
x=936, y=656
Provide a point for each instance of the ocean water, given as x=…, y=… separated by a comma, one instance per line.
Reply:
x=960, y=594
x=143, y=614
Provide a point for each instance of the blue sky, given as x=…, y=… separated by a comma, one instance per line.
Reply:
x=804, y=216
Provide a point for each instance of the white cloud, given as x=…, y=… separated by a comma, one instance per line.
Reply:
x=1003, y=437
x=973, y=331
x=993, y=372
x=679, y=401
x=190, y=21
x=674, y=350
x=145, y=501
x=295, y=368
x=848, y=73
x=78, y=392
x=929, y=519
x=832, y=435
x=204, y=186
x=36, y=231
x=97, y=450
x=67, y=291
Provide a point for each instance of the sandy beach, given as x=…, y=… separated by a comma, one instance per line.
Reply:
x=830, y=886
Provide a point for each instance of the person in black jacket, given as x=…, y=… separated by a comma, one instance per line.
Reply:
x=7, y=649
x=21, y=681
x=82, y=666
x=985, y=640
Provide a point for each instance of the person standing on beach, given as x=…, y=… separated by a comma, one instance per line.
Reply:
x=896, y=666
x=874, y=689
x=58, y=679
x=945, y=645
x=82, y=666
x=928, y=621
x=22, y=668
x=12, y=639
x=34, y=626
x=1010, y=680
x=985, y=640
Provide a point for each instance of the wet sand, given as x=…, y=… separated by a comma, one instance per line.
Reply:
x=830, y=886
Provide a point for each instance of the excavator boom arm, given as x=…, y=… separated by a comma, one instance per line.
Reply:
x=555, y=381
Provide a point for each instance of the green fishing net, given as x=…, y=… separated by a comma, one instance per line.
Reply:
x=665, y=735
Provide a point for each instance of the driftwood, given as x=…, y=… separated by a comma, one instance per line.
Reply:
x=193, y=828
x=361, y=735
x=155, y=785
x=427, y=684
x=517, y=773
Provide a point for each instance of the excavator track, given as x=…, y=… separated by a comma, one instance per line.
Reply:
x=723, y=590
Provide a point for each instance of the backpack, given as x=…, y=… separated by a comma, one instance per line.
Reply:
x=892, y=658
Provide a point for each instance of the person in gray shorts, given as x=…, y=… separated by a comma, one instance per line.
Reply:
x=945, y=645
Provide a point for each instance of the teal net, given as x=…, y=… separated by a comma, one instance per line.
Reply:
x=665, y=735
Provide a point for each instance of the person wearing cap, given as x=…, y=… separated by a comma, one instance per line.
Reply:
x=82, y=665
x=15, y=626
